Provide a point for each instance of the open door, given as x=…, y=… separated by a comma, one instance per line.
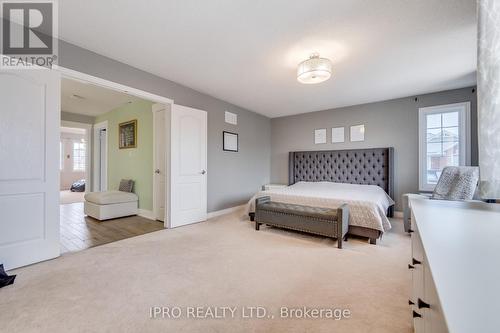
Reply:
x=29, y=172
x=160, y=160
x=188, y=166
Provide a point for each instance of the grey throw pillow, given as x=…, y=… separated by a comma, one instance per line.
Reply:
x=126, y=185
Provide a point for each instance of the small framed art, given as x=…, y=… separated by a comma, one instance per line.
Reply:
x=127, y=134
x=229, y=141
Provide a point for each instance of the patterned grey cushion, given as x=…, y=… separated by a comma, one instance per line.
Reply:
x=301, y=210
x=126, y=185
x=457, y=183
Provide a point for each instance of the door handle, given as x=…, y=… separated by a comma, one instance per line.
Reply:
x=203, y=172
x=157, y=171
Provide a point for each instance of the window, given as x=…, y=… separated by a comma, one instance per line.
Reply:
x=444, y=140
x=78, y=156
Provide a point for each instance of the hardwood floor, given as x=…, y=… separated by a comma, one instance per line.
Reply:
x=68, y=197
x=79, y=232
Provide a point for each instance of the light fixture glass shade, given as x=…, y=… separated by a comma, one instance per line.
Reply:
x=314, y=70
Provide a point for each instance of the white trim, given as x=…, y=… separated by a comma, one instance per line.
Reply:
x=85, y=78
x=147, y=214
x=88, y=153
x=465, y=132
x=225, y=211
x=96, y=156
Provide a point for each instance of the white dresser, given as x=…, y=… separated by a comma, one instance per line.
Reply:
x=455, y=266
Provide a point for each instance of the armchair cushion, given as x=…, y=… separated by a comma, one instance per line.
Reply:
x=457, y=183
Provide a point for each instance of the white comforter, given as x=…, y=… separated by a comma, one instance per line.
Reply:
x=368, y=204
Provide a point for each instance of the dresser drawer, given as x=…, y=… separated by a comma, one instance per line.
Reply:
x=416, y=265
x=434, y=321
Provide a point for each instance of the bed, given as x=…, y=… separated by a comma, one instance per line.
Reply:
x=362, y=178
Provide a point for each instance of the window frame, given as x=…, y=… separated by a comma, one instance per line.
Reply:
x=464, y=138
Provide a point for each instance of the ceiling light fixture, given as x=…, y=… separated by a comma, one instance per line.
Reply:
x=314, y=70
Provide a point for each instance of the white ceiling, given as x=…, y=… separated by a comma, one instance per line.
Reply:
x=246, y=52
x=90, y=100
x=72, y=130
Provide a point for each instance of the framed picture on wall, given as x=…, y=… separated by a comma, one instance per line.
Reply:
x=319, y=136
x=338, y=134
x=127, y=134
x=357, y=133
x=229, y=141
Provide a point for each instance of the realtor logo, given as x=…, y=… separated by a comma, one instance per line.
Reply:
x=29, y=34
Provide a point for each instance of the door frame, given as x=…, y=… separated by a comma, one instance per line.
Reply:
x=86, y=78
x=97, y=156
x=88, y=147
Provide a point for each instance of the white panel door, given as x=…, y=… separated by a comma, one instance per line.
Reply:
x=188, y=166
x=29, y=167
x=160, y=146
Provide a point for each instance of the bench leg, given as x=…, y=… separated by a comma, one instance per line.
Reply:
x=252, y=216
x=373, y=241
x=257, y=225
x=339, y=242
x=345, y=238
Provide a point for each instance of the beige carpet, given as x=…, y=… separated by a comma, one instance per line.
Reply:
x=223, y=262
x=68, y=197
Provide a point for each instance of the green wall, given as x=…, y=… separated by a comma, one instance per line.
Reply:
x=132, y=163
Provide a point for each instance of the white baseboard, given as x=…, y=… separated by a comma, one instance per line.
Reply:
x=398, y=214
x=224, y=211
x=148, y=214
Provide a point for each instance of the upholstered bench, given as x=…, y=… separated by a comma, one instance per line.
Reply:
x=110, y=204
x=321, y=221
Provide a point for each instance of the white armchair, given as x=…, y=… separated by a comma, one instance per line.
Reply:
x=455, y=183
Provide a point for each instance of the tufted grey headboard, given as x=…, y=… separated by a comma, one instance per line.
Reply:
x=372, y=166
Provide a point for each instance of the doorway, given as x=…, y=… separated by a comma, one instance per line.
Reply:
x=36, y=237
x=100, y=157
x=74, y=161
x=117, y=151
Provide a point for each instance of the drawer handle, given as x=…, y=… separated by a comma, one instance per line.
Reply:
x=422, y=304
x=411, y=230
x=410, y=266
x=416, y=315
x=410, y=302
x=415, y=261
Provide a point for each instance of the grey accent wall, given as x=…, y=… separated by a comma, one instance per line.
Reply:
x=392, y=123
x=232, y=177
x=79, y=118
